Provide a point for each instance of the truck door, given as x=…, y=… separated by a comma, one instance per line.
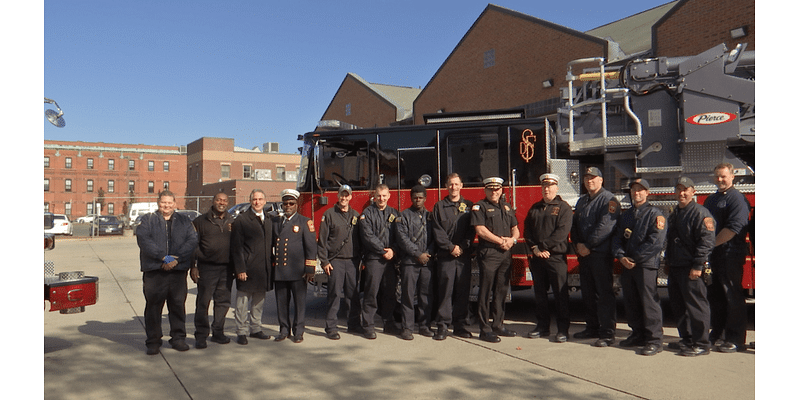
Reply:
x=416, y=165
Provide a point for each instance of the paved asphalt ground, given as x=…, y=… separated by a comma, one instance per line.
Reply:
x=100, y=354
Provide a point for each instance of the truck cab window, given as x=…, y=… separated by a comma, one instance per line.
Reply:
x=343, y=162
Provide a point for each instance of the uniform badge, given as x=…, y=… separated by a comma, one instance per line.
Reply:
x=295, y=229
x=362, y=216
x=476, y=207
x=230, y=227
x=507, y=207
x=310, y=226
x=354, y=221
x=628, y=233
x=661, y=222
x=323, y=219
x=556, y=210
x=391, y=217
x=709, y=223
x=462, y=207
x=612, y=207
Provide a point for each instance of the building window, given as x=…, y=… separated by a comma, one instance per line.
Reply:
x=110, y=186
x=67, y=185
x=151, y=187
x=166, y=185
x=247, y=172
x=166, y=166
x=90, y=185
x=131, y=165
x=46, y=207
x=47, y=162
x=46, y=184
x=281, y=173
x=488, y=58
x=110, y=208
x=90, y=163
x=225, y=171
x=131, y=186
x=110, y=164
x=89, y=209
x=151, y=165
x=68, y=209
x=68, y=162
x=348, y=109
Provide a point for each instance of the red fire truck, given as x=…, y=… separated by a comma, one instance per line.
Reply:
x=656, y=118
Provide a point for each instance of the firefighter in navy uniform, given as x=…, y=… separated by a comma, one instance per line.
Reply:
x=637, y=244
x=295, y=261
x=453, y=234
x=731, y=212
x=547, y=227
x=496, y=226
x=690, y=240
x=339, y=254
x=593, y=224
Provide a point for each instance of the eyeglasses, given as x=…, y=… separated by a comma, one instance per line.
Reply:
x=289, y=203
x=494, y=189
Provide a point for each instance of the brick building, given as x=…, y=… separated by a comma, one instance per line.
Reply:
x=694, y=26
x=76, y=174
x=366, y=105
x=215, y=165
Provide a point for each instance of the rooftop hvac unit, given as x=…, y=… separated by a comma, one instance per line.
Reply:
x=271, y=147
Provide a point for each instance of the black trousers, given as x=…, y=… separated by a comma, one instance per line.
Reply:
x=343, y=286
x=214, y=283
x=689, y=303
x=285, y=292
x=551, y=273
x=380, y=278
x=642, y=304
x=597, y=290
x=416, y=285
x=495, y=281
x=161, y=287
x=454, y=276
x=726, y=298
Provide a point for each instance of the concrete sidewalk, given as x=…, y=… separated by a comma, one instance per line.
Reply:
x=101, y=354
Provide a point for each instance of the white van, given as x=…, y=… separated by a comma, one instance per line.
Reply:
x=138, y=209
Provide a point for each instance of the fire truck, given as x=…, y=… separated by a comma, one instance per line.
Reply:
x=68, y=292
x=655, y=118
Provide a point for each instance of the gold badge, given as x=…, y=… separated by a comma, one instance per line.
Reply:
x=391, y=217
x=661, y=222
x=462, y=207
x=354, y=221
x=612, y=207
x=295, y=229
x=709, y=222
x=628, y=233
x=310, y=226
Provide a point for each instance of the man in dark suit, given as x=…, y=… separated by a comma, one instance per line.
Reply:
x=251, y=251
x=295, y=261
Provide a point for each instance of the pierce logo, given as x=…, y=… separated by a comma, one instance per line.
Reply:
x=711, y=118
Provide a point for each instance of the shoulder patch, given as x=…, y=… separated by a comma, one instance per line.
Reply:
x=322, y=219
x=661, y=222
x=362, y=216
x=709, y=223
x=310, y=226
x=476, y=207
x=507, y=207
x=613, y=206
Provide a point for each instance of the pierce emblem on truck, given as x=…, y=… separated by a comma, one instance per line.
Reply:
x=711, y=118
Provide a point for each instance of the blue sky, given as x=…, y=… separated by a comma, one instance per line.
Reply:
x=170, y=72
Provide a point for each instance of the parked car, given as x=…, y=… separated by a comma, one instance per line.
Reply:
x=86, y=219
x=192, y=214
x=108, y=225
x=61, y=225
x=273, y=209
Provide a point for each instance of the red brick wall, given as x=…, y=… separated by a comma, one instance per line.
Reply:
x=526, y=54
x=367, y=109
x=698, y=25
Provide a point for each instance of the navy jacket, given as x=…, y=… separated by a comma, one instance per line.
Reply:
x=214, y=236
x=451, y=224
x=295, y=248
x=547, y=225
x=594, y=221
x=641, y=233
x=690, y=237
x=155, y=243
x=730, y=210
x=377, y=232
x=414, y=233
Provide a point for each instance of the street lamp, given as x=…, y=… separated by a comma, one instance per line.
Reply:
x=54, y=117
